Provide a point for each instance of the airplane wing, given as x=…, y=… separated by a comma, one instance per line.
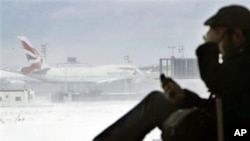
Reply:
x=112, y=80
x=9, y=76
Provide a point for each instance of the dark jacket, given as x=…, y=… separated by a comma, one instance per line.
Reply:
x=230, y=80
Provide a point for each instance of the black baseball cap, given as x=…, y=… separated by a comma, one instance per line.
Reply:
x=231, y=16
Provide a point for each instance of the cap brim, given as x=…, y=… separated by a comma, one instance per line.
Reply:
x=209, y=21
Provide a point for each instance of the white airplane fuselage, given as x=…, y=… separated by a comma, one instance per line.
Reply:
x=12, y=76
x=102, y=74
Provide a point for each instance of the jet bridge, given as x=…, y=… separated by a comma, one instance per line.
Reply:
x=179, y=68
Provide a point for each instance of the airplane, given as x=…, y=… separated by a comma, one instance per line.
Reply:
x=11, y=80
x=102, y=74
x=14, y=76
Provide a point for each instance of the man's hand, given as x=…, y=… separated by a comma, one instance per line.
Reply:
x=214, y=34
x=172, y=90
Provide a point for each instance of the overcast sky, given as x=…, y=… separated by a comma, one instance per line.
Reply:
x=103, y=32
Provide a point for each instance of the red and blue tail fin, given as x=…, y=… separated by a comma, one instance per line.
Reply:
x=33, y=57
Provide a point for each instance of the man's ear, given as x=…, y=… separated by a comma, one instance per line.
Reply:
x=238, y=36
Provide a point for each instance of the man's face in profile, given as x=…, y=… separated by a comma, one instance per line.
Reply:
x=229, y=43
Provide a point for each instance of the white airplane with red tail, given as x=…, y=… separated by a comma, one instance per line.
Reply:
x=101, y=74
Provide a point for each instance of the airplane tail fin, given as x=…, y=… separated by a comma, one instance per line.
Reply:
x=33, y=57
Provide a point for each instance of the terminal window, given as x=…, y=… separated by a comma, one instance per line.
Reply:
x=18, y=98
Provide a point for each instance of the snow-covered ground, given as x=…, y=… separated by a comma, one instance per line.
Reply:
x=62, y=122
x=71, y=121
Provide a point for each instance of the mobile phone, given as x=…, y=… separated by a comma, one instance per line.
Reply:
x=164, y=79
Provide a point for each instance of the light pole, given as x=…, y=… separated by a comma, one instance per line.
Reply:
x=181, y=50
x=44, y=51
x=172, y=47
x=128, y=59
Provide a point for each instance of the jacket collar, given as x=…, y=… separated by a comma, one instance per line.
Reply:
x=245, y=49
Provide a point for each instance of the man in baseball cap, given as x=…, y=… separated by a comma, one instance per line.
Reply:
x=229, y=35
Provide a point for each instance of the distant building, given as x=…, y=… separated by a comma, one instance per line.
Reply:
x=72, y=60
x=16, y=97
